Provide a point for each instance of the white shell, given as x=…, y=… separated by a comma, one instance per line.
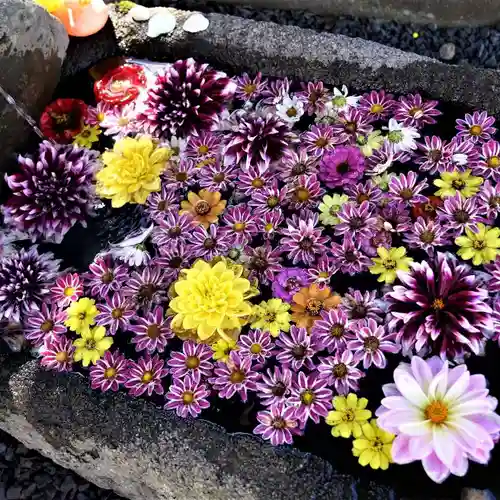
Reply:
x=161, y=23
x=195, y=23
x=140, y=13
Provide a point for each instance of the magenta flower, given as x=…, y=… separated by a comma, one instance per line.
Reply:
x=360, y=307
x=235, y=377
x=57, y=354
x=249, y=89
x=145, y=376
x=310, y=397
x=255, y=179
x=433, y=155
x=341, y=372
x=476, y=127
x=288, y=282
x=173, y=258
x=95, y=116
x=427, y=235
x=370, y=344
x=489, y=163
x=366, y=191
x=146, y=287
x=201, y=145
x=209, y=243
x=343, y=166
x=395, y=217
x=304, y=192
x=275, y=385
x=105, y=276
x=332, y=331
x=241, y=225
x=180, y=175
x=352, y=122
x=322, y=271
x=68, y=288
x=458, y=213
x=376, y=105
x=348, y=257
x=115, y=313
x=263, y=262
x=270, y=199
x=296, y=349
x=151, y=332
x=315, y=97
x=173, y=228
x=413, y=111
x=45, y=324
x=278, y=424
x=494, y=270
x=405, y=188
x=275, y=91
x=195, y=359
x=319, y=139
x=217, y=177
x=120, y=121
x=380, y=238
x=187, y=396
x=357, y=221
x=158, y=205
x=442, y=416
x=488, y=200
x=256, y=346
x=297, y=163
x=268, y=224
x=109, y=372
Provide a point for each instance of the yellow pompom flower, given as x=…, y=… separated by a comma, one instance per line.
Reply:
x=211, y=300
x=455, y=182
x=388, y=262
x=92, y=345
x=349, y=415
x=482, y=246
x=222, y=348
x=87, y=136
x=131, y=171
x=272, y=316
x=81, y=315
x=329, y=207
x=50, y=5
x=374, y=448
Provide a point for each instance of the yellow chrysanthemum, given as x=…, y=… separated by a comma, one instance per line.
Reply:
x=349, y=415
x=50, y=5
x=388, y=262
x=222, y=348
x=455, y=182
x=382, y=181
x=272, y=316
x=211, y=300
x=329, y=207
x=368, y=143
x=81, y=315
x=87, y=136
x=482, y=246
x=132, y=171
x=92, y=345
x=375, y=447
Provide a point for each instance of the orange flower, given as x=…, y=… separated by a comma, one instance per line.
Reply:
x=309, y=302
x=204, y=206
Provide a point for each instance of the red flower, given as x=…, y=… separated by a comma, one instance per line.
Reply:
x=63, y=119
x=120, y=85
x=426, y=210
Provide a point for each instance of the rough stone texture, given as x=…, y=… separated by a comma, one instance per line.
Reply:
x=441, y=12
x=32, y=48
x=244, y=45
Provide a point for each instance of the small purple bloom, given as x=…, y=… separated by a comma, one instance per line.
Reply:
x=352, y=122
x=304, y=192
x=406, y=188
x=172, y=259
x=180, y=175
x=275, y=91
x=209, y=243
x=319, y=139
x=433, y=155
x=217, y=177
x=310, y=397
x=342, y=166
x=380, y=238
x=241, y=225
x=348, y=257
x=458, y=213
x=161, y=203
x=249, y=89
x=105, y=276
x=376, y=105
x=489, y=163
x=488, y=200
x=263, y=262
x=194, y=359
x=366, y=191
x=296, y=349
x=256, y=345
x=340, y=372
x=188, y=396
x=109, y=372
x=151, y=332
x=57, y=354
x=270, y=199
x=427, y=235
x=275, y=385
x=255, y=179
x=360, y=307
x=115, y=313
x=297, y=163
x=477, y=127
x=278, y=424
x=145, y=376
x=332, y=331
x=201, y=145
x=43, y=325
x=173, y=228
x=358, y=221
x=322, y=271
x=147, y=286
x=288, y=282
x=413, y=111
x=494, y=270
x=315, y=96
x=268, y=224
x=395, y=217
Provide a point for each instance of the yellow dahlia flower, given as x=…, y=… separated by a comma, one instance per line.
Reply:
x=211, y=300
x=131, y=171
x=50, y=5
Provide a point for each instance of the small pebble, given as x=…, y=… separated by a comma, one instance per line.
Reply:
x=447, y=51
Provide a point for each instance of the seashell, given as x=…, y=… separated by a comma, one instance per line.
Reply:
x=195, y=23
x=161, y=23
x=140, y=13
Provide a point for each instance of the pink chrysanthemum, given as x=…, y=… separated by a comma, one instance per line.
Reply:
x=147, y=286
x=341, y=372
x=255, y=179
x=95, y=116
x=296, y=349
x=68, y=288
x=488, y=166
x=209, y=243
x=413, y=111
x=278, y=424
x=357, y=221
x=45, y=324
x=173, y=228
x=348, y=258
x=360, y=307
x=319, y=139
x=195, y=359
x=310, y=397
x=494, y=270
x=57, y=354
x=256, y=345
x=406, y=188
x=188, y=396
x=270, y=199
x=116, y=313
x=366, y=191
x=350, y=123
x=158, y=205
x=105, y=276
x=315, y=96
x=269, y=224
x=488, y=201
x=395, y=217
x=322, y=271
x=173, y=258
x=476, y=127
x=146, y=375
x=275, y=385
x=304, y=192
x=342, y=166
x=332, y=331
x=202, y=145
x=249, y=89
x=427, y=235
x=241, y=224
x=263, y=262
x=180, y=175
x=297, y=163
x=151, y=332
x=376, y=105
x=433, y=155
x=109, y=372
x=120, y=121
x=217, y=177
x=458, y=213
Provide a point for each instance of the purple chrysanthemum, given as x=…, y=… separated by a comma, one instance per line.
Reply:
x=255, y=179
x=380, y=238
x=304, y=192
x=67, y=288
x=249, y=89
x=488, y=166
x=370, y=343
x=269, y=224
x=43, y=325
x=241, y=224
x=476, y=127
x=352, y=122
x=405, y=188
x=52, y=191
x=464, y=154
x=188, y=396
x=217, y=177
x=173, y=228
x=340, y=372
x=109, y=372
x=458, y=213
x=496, y=318
x=310, y=397
x=146, y=375
x=319, y=139
x=366, y=191
x=180, y=175
x=395, y=217
x=315, y=97
x=209, y=243
x=440, y=307
x=275, y=385
x=275, y=91
x=234, y=377
x=25, y=277
x=152, y=332
x=202, y=145
x=383, y=158
x=413, y=111
x=360, y=307
x=494, y=270
x=345, y=165
x=147, y=286
x=433, y=155
x=322, y=271
x=115, y=313
x=332, y=331
x=348, y=257
x=297, y=163
x=256, y=345
x=195, y=359
x=358, y=221
x=105, y=276
x=185, y=97
x=263, y=262
x=158, y=205
x=278, y=424
x=488, y=200
x=57, y=354
x=270, y=199
x=296, y=349
x=427, y=235
x=173, y=258
x=376, y=105
x=288, y=282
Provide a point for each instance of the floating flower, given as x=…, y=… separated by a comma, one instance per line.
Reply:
x=455, y=182
x=173, y=258
x=340, y=372
x=360, y=307
x=223, y=348
x=146, y=287
x=268, y=200
x=159, y=205
x=256, y=346
x=116, y=313
x=173, y=228
x=121, y=85
x=322, y=272
x=57, y=354
x=434, y=156
x=132, y=250
x=366, y=191
x=131, y=171
x=272, y=316
x=427, y=235
x=275, y=386
x=395, y=217
x=81, y=315
x=488, y=200
x=350, y=123
x=68, y=288
x=309, y=302
x=249, y=89
x=401, y=137
x=388, y=262
x=332, y=331
x=105, y=276
x=348, y=415
x=146, y=375
x=217, y=177
x=458, y=213
x=407, y=189
x=476, y=127
x=296, y=349
x=376, y=105
x=95, y=116
x=91, y=345
x=494, y=270
x=356, y=220
x=209, y=243
x=481, y=244
x=204, y=207
x=315, y=96
x=109, y=373
x=87, y=136
x=489, y=163
x=442, y=416
x=304, y=191
x=269, y=224
x=348, y=257
x=370, y=143
x=241, y=224
x=319, y=139
x=413, y=111
x=374, y=448
x=329, y=208
x=342, y=101
x=310, y=397
x=255, y=179
x=152, y=332
x=188, y=396
x=63, y=119
x=275, y=91
x=278, y=424
x=342, y=166
x=179, y=175
x=121, y=121
x=211, y=300
x=288, y=282
x=193, y=360
x=45, y=324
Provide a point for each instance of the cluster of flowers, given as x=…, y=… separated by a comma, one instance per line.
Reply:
x=260, y=187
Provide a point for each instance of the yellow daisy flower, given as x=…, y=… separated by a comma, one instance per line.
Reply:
x=272, y=316
x=382, y=181
x=92, y=345
x=455, y=182
x=329, y=208
x=390, y=261
x=349, y=415
x=375, y=447
x=482, y=246
x=87, y=136
x=222, y=348
x=81, y=315
x=368, y=143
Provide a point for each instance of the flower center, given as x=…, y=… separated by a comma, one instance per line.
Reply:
x=461, y=216
x=62, y=357
x=209, y=243
x=279, y=389
x=82, y=316
x=390, y=264
x=340, y=370
x=337, y=331
x=107, y=277
x=334, y=209
x=291, y=284
x=202, y=207
x=395, y=136
x=358, y=311
x=321, y=142
x=350, y=127
x=436, y=412
x=219, y=177
x=494, y=162
x=192, y=362
x=268, y=227
x=119, y=85
x=147, y=291
x=494, y=201
x=343, y=168
x=255, y=348
x=476, y=130
x=291, y=112
x=187, y=397
x=299, y=168
x=153, y=331
x=362, y=197
x=257, y=183
x=339, y=101
x=278, y=423
x=181, y=176
x=117, y=313
x=237, y=377
x=356, y=223
x=47, y=326
x=427, y=237
x=175, y=231
x=323, y=275
x=299, y=351
x=406, y=194
x=249, y=88
x=85, y=133
x=350, y=256
x=122, y=122
x=147, y=377
x=314, y=307
x=307, y=397
x=203, y=149
x=479, y=245
x=239, y=226
x=270, y=316
x=371, y=344
x=306, y=243
x=377, y=109
x=100, y=117
x=416, y=112
x=109, y=372
x=69, y=291
x=90, y=344
x=258, y=263
x=438, y=304
x=302, y=194
x=435, y=155
x=162, y=205
x=458, y=184
x=272, y=201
